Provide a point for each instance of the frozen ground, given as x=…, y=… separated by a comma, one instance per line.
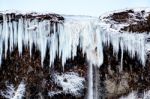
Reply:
x=70, y=83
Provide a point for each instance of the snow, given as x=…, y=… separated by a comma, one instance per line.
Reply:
x=14, y=93
x=53, y=93
x=147, y=94
x=134, y=95
x=70, y=82
x=131, y=95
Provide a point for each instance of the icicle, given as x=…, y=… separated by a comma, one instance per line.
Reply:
x=43, y=41
x=1, y=44
x=15, y=27
x=121, y=63
x=20, y=35
x=26, y=34
x=65, y=38
x=75, y=42
x=30, y=37
x=99, y=47
x=53, y=48
x=5, y=33
x=11, y=40
x=90, y=82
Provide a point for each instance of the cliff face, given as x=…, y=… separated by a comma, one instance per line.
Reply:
x=134, y=76
x=72, y=57
x=21, y=59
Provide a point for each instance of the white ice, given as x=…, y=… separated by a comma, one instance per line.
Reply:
x=87, y=32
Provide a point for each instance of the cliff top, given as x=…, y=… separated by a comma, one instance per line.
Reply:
x=129, y=20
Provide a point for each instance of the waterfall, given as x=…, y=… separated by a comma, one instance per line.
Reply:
x=62, y=39
x=90, y=83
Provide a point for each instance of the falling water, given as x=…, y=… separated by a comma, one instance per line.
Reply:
x=90, y=83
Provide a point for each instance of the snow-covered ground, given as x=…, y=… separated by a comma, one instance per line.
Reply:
x=70, y=82
x=134, y=95
x=14, y=93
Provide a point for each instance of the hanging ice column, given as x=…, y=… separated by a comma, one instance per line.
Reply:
x=84, y=32
x=25, y=30
x=90, y=34
x=133, y=43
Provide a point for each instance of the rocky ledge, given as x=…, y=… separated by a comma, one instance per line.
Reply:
x=130, y=20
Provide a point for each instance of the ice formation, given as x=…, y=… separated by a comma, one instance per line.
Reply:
x=87, y=32
x=62, y=39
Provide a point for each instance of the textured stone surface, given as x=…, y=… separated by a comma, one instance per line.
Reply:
x=38, y=80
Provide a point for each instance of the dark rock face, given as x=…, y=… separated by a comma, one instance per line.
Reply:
x=133, y=76
x=122, y=16
x=141, y=26
x=40, y=17
x=38, y=80
x=113, y=83
x=138, y=21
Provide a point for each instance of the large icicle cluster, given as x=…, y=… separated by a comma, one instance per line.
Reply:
x=91, y=34
x=26, y=30
x=85, y=33
x=62, y=39
x=133, y=43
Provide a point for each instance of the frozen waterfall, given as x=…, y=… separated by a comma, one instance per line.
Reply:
x=87, y=32
x=62, y=39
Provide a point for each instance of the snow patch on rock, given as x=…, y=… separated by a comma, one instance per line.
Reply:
x=70, y=82
x=14, y=93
